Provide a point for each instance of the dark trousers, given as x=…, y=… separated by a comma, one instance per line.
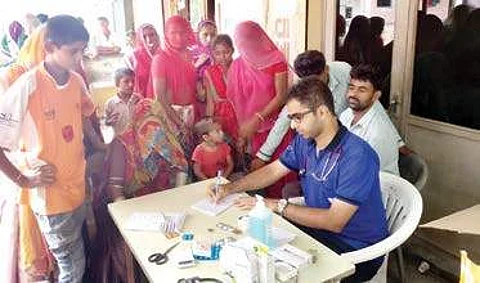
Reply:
x=363, y=271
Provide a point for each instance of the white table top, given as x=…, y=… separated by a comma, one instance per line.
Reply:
x=328, y=267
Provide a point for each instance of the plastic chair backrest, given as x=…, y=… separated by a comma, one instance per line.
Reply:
x=414, y=169
x=398, y=198
x=403, y=204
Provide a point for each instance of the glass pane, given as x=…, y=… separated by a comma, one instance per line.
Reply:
x=365, y=30
x=446, y=84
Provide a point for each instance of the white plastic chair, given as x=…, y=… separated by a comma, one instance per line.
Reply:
x=403, y=204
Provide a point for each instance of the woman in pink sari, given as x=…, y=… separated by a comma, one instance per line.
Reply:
x=147, y=46
x=257, y=83
x=256, y=86
x=174, y=78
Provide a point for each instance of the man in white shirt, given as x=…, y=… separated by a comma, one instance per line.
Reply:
x=104, y=42
x=367, y=118
x=309, y=63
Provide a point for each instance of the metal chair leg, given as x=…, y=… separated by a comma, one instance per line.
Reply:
x=400, y=264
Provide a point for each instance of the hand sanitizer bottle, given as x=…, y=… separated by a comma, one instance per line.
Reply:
x=260, y=222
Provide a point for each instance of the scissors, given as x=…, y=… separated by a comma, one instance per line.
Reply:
x=161, y=258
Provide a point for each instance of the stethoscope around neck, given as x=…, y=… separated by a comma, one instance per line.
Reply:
x=328, y=166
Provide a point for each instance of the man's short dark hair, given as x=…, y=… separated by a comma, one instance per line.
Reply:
x=311, y=91
x=64, y=29
x=309, y=63
x=367, y=73
x=122, y=72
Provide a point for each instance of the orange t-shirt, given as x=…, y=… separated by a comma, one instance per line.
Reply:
x=46, y=119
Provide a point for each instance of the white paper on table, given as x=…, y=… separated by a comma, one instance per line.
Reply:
x=208, y=207
x=155, y=221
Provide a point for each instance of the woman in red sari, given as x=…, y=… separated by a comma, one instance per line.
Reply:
x=174, y=78
x=256, y=86
x=147, y=46
x=218, y=105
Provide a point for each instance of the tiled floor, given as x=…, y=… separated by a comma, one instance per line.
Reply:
x=433, y=275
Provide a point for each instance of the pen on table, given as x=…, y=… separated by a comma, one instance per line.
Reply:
x=218, y=182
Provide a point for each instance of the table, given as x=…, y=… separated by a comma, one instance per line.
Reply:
x=328, y=267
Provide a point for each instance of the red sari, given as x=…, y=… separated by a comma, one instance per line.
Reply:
x=222, y=108
x=142, y=63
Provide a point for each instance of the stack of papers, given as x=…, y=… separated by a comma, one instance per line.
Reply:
x=208, y=207
x=155, y=221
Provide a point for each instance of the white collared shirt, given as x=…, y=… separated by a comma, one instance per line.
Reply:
x=116, y=105
x=376, y=128
x=338, y=82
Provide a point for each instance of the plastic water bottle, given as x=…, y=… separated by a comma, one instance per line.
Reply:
x=260, y=222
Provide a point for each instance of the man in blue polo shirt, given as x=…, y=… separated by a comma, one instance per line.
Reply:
x=339, y=174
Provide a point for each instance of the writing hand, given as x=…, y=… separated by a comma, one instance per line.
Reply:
x=217, y=194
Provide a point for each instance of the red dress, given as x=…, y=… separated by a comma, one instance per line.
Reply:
x=222, y=107
x=211, y=161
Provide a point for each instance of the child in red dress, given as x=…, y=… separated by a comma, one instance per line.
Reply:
x=213, y=154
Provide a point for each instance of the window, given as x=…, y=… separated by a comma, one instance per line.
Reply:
x=446, y=82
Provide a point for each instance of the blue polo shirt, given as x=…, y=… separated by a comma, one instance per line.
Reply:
x=347, y=169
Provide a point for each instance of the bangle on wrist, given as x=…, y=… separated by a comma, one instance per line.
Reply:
x=260, y=117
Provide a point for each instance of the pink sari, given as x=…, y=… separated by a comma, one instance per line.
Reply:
x=250, y=87
x=142, y=63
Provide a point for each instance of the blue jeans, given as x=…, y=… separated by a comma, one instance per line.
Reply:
x=63, y=234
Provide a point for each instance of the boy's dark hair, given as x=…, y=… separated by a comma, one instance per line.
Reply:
x=122, y=72
x=64, y=29
x=367, y=73
x=223, y=39
x=311, y=91
x=308, y=63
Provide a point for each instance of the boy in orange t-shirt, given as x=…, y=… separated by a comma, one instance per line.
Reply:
x=213, y=154
x=43, y=112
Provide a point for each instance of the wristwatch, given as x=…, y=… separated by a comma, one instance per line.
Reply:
x=281, y=205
